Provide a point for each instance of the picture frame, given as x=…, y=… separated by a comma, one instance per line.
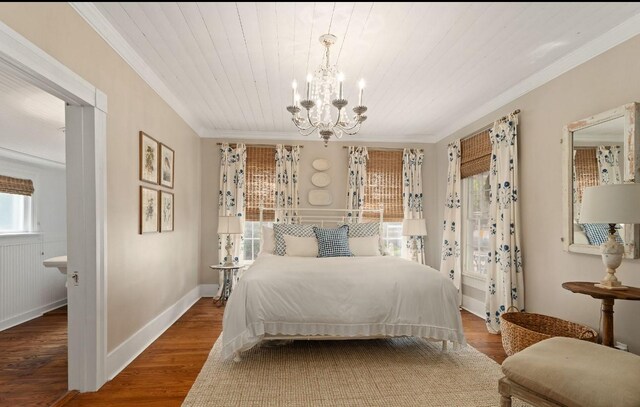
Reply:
x=166, y=166
x=167, y=210
x=149, y=159
x=149, y=210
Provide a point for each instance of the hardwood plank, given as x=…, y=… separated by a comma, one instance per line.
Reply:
x=33, y=361
x=161, y=376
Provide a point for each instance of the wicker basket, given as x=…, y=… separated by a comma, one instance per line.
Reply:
x=521, y=329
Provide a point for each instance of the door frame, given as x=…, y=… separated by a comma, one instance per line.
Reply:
x=86, y=162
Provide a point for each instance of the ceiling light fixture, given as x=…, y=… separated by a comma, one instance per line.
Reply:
x=324, y=89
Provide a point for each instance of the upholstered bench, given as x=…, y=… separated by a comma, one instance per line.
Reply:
x=570, y=372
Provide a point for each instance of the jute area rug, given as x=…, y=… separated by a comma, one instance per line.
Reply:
x=384, y=372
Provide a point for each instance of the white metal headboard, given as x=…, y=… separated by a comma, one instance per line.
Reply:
x=324, y=216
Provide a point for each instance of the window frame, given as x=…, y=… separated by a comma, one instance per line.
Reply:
x=18, y=171
x=466, y=272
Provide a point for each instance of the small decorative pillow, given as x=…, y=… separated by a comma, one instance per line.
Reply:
x=598, y=233
x=292, y=229
x=364, y=246
x=333, y=242
x=301, y=246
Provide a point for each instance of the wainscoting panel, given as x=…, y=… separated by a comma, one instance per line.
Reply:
x=27, y=288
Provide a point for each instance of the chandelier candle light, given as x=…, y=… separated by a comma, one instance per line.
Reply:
x=324, y=89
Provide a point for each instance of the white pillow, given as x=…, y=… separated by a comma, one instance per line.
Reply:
x=300, y=246
x=267, y=240
x=365, y=246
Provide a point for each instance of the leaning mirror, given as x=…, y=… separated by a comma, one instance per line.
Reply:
x=599, y=150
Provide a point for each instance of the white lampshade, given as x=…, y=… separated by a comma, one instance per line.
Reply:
x=617, y=203
x=414, y=227
x=229, y=225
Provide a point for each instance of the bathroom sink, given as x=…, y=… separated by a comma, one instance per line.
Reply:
x=59, y=262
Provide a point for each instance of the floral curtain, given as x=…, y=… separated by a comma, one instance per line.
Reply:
x=609, y=165
x=412, y=199
x=505, y=282
x=451, y=261
x=357, y=177
x=287, y=196
x=231, y=198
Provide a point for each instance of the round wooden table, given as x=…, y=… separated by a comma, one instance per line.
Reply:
x=608, y=297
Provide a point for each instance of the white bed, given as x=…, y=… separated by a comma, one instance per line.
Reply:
x=337, y=298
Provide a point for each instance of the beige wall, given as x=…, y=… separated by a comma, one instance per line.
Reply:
x=146, y=274
x=603, y=83
x=311, y=151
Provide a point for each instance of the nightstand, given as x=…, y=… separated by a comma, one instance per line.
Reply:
x=228, y=282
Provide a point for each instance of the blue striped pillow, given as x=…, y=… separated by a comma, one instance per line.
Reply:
x=333, y=242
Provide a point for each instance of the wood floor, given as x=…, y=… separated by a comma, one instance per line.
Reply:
x=163, y=374
x=33, y=361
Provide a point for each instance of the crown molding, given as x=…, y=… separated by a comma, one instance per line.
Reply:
x=29, y=158
x=617, y=35
x=90, y=13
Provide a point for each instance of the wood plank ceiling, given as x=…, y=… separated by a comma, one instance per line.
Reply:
x=31, y=120
x=425, y=64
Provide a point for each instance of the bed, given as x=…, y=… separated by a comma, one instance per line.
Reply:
x=283, y=297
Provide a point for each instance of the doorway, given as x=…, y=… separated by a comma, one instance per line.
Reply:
x=85, y=150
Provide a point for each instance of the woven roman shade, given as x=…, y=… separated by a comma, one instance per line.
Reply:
x=260, y=182
x=586, y=167
x=475, y=154
x=16, y=186
x=384, y=184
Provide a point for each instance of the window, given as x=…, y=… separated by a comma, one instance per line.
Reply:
x=260, y=189
x=251, y=237
x=15, y=213
x=392, y=238
x=475, y=230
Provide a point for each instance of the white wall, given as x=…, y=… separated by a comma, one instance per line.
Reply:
x=27, y=288
x=605, y=82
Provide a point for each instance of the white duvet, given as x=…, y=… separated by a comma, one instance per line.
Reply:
x=339, y=296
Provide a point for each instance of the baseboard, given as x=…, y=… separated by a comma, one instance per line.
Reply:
x=29, y=315
x=126, y=352
x=474, y=306
x=208, y=290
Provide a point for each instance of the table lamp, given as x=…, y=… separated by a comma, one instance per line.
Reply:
x=229, y=225
x=414, y=227
x=612, y=204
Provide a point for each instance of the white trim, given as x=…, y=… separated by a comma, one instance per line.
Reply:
x=208, y=290
x=474, y=306
x=112, y=36
x=28, y=158
x=128, y=350
x=86, y=200
x=41, y=69
x=29, y=315
x=593, y=48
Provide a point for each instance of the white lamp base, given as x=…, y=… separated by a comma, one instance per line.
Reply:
x=620, y=287
x=612, y=254
x=229, y=261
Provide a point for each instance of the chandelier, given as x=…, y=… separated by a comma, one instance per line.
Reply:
x=325, y=89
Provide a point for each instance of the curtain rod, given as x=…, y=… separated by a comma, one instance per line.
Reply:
x=503, y=118
x=379, y=148
x=488, y=126
x=257, y=145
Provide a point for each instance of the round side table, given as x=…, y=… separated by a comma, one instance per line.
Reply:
x=228, y=282
x=608, y=298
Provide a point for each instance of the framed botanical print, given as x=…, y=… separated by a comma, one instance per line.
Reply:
x=166, y=166
x=148, y=158
x=166, y=211
x=149, y=204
